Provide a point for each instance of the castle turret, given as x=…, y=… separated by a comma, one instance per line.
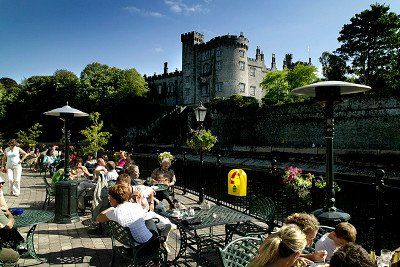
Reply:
x=273, y=62
x=262, y=56
x=287, y=63
x=258, y=54
x=165, y=67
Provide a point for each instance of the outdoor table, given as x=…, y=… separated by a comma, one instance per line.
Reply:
x=160, y=187
x=204, y=218
x=32, y=217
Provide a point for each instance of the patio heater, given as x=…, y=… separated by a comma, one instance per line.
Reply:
x=200, y=113
x=327, y=94
x=66, y=190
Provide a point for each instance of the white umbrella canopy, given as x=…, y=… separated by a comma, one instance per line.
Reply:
x=345, y=88
x=66, y=110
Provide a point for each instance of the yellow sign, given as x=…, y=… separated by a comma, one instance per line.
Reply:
x=237, y=183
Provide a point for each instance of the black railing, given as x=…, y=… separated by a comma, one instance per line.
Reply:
x=357, y=197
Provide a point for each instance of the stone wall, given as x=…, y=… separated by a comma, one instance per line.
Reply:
x=360, y=123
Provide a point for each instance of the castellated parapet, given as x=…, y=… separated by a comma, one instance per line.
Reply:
x=220, y=67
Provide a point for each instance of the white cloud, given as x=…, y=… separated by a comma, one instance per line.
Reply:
x=143, y=12
x=158, y=49
x=179, y=7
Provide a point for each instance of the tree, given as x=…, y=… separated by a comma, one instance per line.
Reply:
x=334, y=67
x=101, y=82
x=8, y=83
x=95, y=139
x=279, y=84
x=66, y=86
x=371, y=42
x=30, y=137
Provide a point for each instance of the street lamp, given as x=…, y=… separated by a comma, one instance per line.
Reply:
x=329, y=93
x=66, y=190
x=200, y=113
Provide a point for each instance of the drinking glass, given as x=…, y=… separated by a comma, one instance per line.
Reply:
x=191, y=212
x=385, y=258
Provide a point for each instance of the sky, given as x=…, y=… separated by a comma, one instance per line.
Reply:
x=38, y=37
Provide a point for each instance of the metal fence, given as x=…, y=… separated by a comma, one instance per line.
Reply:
x=377, y=222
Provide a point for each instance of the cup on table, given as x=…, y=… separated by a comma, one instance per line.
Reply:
x=385, y=258
x=191, y=212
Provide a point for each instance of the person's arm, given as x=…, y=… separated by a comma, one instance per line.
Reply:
x=102, y=217
x=151, y=201
x=10, y=217
x=172, y=183
x=4, y=160
x=24, y=154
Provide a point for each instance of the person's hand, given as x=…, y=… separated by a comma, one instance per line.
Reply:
x=320, y=255
x=302, y=262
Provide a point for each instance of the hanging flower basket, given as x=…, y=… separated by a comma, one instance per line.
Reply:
x=202, y=140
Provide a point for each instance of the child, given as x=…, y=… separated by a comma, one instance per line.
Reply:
x=343, y=234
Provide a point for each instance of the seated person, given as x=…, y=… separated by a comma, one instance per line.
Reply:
x=90, y=163
x=133, y=171
x=281, y=249
x=310, y=226
x=111, y=174
x=130, y=215
x=164, y=171
x=343, y=234
x=79, y=171
x=351, y=255
x=144, y=195
x=161, y=195
x=11, y=239
x=3, y=203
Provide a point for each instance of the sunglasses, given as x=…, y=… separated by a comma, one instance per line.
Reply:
x=2, y=183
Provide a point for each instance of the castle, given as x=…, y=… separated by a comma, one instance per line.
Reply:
x=217, y=68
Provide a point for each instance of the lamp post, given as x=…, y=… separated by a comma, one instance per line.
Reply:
x=200, y=113
x=329, y=93
x=66, y=190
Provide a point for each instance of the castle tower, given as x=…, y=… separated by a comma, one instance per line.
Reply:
x=189, y=60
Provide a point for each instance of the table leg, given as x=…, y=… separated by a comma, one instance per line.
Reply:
x=182, y=246
x=30, y=245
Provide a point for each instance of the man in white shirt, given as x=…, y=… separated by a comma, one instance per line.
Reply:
x=111, y=174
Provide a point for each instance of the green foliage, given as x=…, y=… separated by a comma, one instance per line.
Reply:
x=333, y=67
x=202, y=140
x=234, y=102
x=95, y=139
x=30, y=137
x=371, y=42
x=279, y=84
x=102, y=82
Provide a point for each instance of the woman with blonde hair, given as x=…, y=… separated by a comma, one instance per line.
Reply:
x=281, y=249
x=309, y=225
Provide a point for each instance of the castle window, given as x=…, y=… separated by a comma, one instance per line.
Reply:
x=241, y=65
x=219, y=65
x=206, y=55
x=204, y=89
x=218, y=52
x=252, y=90
x=170, y=88
x=206, y=68
x=252, y=71
x=159, y=89
x=241, y=53
x=242, y=88
x=218, y=87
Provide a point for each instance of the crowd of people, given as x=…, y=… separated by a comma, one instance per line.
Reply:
x=118, y=194
x=285, y=247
